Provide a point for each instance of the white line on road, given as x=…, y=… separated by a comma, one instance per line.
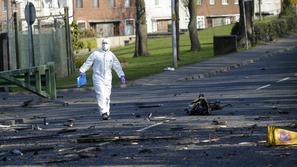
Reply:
x=148, y=127
x=262, y=87
x=284, y=79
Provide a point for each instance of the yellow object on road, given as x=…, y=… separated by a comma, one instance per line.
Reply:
x=277, y=136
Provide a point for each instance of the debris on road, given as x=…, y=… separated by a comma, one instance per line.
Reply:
x=98, y=138
x=199, y=106
x=35, y=127
x=5, y=126
x=261, y=118
x=27, y=103
x=145, y=150
x=218, y=106
x=17, y=152
x=222, y=124
x=69, y=123
x=161, y=118
x=149, y=105
x=66, y=131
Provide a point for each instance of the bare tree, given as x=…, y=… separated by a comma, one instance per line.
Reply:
x=141, y=30
x=195, y=44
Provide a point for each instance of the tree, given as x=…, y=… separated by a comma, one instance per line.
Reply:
x=141, y=32
x=244, y=29
x=287, y=7
x=75, y=33
x=195, y=44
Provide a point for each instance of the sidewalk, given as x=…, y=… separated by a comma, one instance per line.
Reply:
x=221, y=63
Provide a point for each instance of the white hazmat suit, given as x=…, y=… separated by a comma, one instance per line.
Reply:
x=103, y=61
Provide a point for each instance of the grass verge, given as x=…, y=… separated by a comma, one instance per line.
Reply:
x=160, y=57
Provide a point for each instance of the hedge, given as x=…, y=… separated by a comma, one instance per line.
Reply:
x=275, y=29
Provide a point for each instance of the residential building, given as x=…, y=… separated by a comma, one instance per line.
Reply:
x=211, y=13
x=106, y=17
x=3, y=13
x=47, y=11
x=268, y=7
x=158, y=16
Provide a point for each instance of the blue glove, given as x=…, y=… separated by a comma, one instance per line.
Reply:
x=123, y=80
x=81, y=80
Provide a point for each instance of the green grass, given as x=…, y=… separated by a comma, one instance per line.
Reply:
x=160, y=56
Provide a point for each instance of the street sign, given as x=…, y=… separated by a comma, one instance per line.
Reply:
x=30, y=13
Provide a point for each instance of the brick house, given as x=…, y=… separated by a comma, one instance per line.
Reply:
x=211, y=13
x=106, y=17
x=158, y=16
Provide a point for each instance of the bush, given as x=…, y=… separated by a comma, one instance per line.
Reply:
x=79, y=61
x=89, y=34
x=89, y=43
x=75, y=33
x=275, y=29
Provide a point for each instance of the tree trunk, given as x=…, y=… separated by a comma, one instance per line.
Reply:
x=246, y=23
x=177, y=26
x=195, y=44
x=141, y=32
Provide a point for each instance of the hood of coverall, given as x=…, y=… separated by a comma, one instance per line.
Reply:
x=105, y=44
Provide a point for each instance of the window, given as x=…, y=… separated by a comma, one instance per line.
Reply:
x=111, y=3
x=62, y=3
x=200, y=22
x=95, y=3
x=235, y=1
x=4, y=5
x=212, y=2
x=129, y=28
x=199, y=2
x=82, y=26
x=127, y=3
x=224, y=2
x=79, y=3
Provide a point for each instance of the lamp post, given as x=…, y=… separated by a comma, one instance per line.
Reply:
x=174, y=48
x=8, y=33
x=244, y=20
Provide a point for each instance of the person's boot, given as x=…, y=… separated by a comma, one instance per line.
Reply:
x=105, y=116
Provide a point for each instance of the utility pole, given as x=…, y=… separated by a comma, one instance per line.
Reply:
x=174, y=48
x=245, y=29
x=15, y=23
x=7, y=29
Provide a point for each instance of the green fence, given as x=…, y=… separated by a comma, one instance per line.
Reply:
x=48, y=47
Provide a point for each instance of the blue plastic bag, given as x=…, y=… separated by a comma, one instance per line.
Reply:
x=81, y=80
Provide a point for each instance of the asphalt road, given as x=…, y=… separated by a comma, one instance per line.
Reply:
x=256, y=95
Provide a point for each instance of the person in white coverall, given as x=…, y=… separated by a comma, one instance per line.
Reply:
x=103, y=61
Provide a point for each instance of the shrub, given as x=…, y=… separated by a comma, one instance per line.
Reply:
x=89, y=34
x=89, y=43
x=269, y=31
